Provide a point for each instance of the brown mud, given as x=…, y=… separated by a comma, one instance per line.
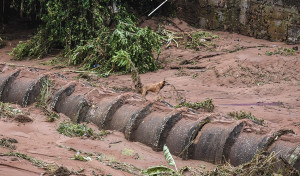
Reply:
x=237, y=74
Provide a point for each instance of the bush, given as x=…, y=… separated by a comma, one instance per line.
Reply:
x=91, y=34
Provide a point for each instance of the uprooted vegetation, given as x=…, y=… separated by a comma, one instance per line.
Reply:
x=243, y=115
x=106, y=160
x=92, y=40
x=9, y=112
x=51, y=169
x=263, y=163
x=206, y=105
x=197, y=40
x=100, y=37
x=79, y=130
x=8, y=143
x=44, y=100
x=36, y=162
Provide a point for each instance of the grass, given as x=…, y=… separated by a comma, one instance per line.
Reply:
x=206, y=105
x=243, y=115
x=79, y=130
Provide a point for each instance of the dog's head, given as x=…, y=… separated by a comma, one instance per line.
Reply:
x=163, y=83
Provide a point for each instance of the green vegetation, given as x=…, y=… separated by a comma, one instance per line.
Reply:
x=206, y=105
x=44, y=99
x=91, y=35
x=200, y=39
x=195, y=75
x=46, y=92
x=109, y=160
x=243, y=115
x=58, y=61
x=38, y=163
x=123, y=60
x=52, y=169
x=79, y=130
x=128, y=152
x=7, y=111
x=8, y=143
x=2, y=43
x=163, y=170
x=282, y=52
x=79, y=157
x=263, y=163
x=196, y=40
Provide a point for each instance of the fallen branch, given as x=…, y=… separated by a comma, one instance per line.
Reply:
x=77, y=71
x=188, y=67
x=14, y=65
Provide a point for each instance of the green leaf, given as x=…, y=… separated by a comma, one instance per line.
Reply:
x=169, y=157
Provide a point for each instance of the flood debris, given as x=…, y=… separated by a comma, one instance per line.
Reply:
x=263, y=163
x=80, y=130
x=8, y=143
x=109, y=161
x=9, y=112
x=61, y=171
x=206, y=105
x=21, y=118
x=243, y=115
x=50, y=168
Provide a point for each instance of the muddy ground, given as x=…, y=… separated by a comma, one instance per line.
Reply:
x=238, y=73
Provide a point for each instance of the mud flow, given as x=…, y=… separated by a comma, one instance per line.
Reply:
x=253, y=86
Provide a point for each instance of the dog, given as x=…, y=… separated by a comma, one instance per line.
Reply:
x=153, y=88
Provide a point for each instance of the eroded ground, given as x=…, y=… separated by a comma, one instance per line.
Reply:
x=238, y=73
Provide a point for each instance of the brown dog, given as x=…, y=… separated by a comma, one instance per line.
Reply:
x=153, y=88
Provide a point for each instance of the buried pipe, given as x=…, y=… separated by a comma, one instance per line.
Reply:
x=155, y=127
x=73, y=106
x=208, y=139
x=129, y=110
x=214, y=141
x=287, y=148
x=102, y=112
x=183, y=134
x=6, y=80
x=19, y=88
x=246, y=146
